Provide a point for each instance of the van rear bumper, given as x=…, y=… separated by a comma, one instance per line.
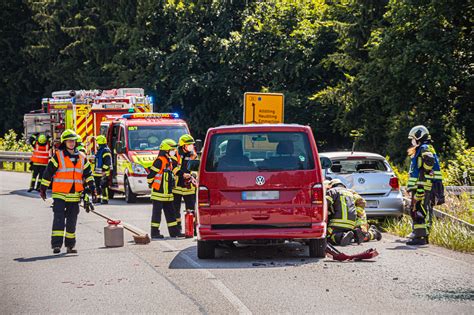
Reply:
x=207, y=233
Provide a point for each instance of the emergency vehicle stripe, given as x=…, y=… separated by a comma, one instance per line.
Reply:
x=90, y=125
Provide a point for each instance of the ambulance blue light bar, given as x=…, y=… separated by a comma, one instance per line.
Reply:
x=151, y=116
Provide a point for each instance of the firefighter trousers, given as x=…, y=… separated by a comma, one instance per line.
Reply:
x=189, y=203
x=167, y=208
x=65, y=216
x=335, y=234
x=421, y=215
x=101, y=187
x=37, y=172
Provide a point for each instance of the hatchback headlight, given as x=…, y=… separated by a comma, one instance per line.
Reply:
x=138, y=169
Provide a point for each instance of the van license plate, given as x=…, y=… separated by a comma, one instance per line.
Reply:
x=372, y=204
x=261, y=195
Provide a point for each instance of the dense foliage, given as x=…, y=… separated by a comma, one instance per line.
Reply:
x=377, y=67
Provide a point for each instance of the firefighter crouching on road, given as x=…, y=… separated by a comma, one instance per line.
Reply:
x=425, y=184
x=341, y=214
x=161, y=181
x=363, y=232
x=103, y=166
x=184, y=188
x=39, y=160
x=67, y=169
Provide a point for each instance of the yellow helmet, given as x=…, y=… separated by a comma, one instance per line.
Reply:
x=186, y=139
x=42, y=139
x=69, y=134
x=101, y=139
x=168, y=144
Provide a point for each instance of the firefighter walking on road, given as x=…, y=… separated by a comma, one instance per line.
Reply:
x=341, y=214
x=161, y=181
x=425, y=184
x=67, y=169
x=184, y=189
x=39, y=160
x=103, y=166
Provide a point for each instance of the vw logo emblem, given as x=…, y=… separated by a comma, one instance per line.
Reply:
x=260, y=180
x=361, y=180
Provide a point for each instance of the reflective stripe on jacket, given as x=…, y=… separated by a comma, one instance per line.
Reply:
x=163, y=181
x=342, y=209
x=433, y=174
x=40, y=154
x=68, y=174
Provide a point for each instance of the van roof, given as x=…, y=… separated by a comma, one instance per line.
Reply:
x=258, y=127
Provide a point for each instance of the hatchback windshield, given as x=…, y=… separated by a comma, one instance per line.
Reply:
x=266, y=151
x=142, y=138
x=358, y=166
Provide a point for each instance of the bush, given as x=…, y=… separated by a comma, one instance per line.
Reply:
x=9, y=142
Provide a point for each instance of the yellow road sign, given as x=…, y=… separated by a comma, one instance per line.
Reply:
x=263, y=108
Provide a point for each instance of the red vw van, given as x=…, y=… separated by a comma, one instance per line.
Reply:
x=260, y=183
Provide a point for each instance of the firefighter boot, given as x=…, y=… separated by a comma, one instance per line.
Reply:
x=56, y=250
x=31, y=189
x=156, y=234
x=71, y=250
x=175, y=231
x=347, y=238
x=358, y=235
x=376, y=233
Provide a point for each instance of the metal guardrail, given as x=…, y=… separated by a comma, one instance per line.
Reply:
x=15, y=157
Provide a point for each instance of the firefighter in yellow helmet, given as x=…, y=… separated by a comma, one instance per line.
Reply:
x=184, y=188
x=102, y=169
x=39, y=160
x=161, y=181
x=68, y=170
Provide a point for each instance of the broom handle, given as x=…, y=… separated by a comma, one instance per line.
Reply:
x=124, y=225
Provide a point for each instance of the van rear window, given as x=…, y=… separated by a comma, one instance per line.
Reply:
x=267, y=151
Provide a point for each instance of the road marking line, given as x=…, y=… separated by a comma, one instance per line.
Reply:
x=218, y=284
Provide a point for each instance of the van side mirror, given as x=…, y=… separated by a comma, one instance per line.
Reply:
x=119, y=147
x=198, y=145
x=193, y=165
x=325, y=162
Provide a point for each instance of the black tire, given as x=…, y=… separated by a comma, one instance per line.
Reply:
x=317, y=248
x=130, y=197
x=206, y=250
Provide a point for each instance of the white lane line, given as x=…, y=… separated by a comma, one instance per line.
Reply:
x=218, y=284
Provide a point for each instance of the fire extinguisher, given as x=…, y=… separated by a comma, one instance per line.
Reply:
x=189, y=224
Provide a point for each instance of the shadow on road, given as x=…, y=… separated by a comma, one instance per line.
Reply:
x=246, y=257
x=23, y=192
x=404, y=246
x=40, y=258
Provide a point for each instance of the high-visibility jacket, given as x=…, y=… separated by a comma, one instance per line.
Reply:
x=161, y=178
x=103, y=161
x=419, y=168
x=342, y=209
x=182, y=187
x=40, y=154
x=68, y=174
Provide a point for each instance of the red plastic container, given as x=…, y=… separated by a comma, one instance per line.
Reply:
x=189, y=224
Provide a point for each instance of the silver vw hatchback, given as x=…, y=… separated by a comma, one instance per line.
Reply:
x=371, y=176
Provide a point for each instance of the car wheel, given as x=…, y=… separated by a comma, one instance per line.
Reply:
x=130, y=196
x=206, y=250
x=317, y=248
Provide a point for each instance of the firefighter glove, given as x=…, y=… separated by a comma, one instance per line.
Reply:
x=43, y=192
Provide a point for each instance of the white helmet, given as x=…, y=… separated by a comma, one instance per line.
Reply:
x=336, y=182
x=418, y=132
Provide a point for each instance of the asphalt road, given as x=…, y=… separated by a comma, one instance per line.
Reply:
x=166, y=276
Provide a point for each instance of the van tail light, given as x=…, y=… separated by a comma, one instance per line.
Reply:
x=203, y=197
x=317, y=194
x=394, y=183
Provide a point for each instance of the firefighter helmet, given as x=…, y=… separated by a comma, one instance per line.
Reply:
x=336, y=182
x=69, y=134
x=101, y=139
x=42, y=139
x=418, y=132
x=186, y=139
x=168, y=144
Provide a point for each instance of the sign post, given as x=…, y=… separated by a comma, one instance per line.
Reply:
x=263, y=108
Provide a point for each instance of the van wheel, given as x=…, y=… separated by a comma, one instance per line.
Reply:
x=130, y=196
x=206, y=250
x=317, y=248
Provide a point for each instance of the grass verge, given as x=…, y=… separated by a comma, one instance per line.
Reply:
x=444, y=232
